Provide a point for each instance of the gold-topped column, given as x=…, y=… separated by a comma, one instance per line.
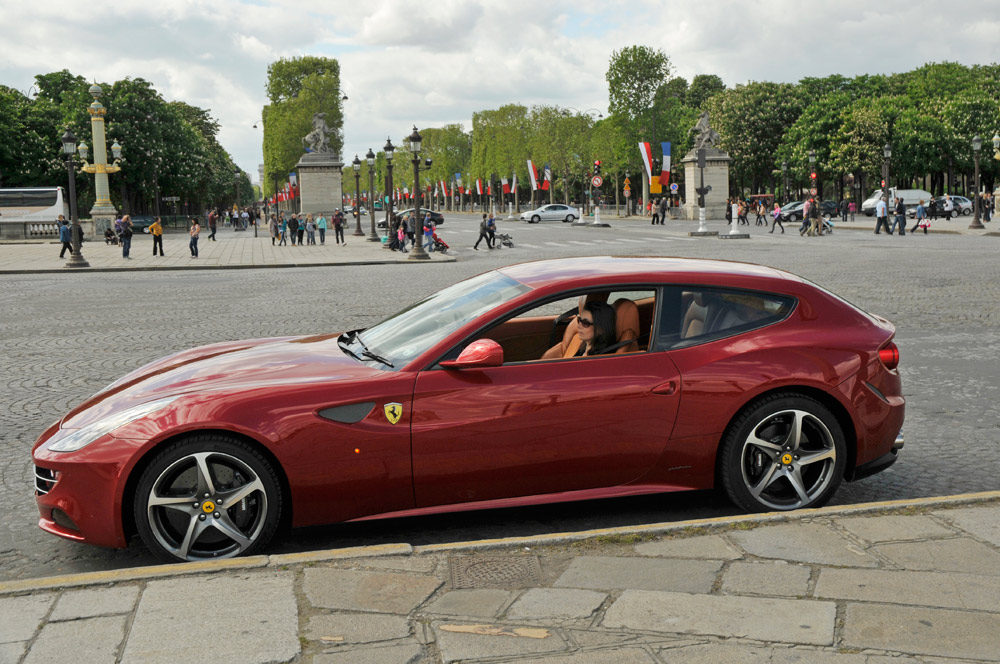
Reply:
x=103, y=212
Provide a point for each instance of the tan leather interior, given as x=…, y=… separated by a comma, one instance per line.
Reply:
x=627, y=325
x=694, y=317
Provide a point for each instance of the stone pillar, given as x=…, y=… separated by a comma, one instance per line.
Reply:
x=716, y=176
x=321, y=187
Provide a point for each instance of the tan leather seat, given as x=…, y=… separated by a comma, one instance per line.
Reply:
x=626, y=325
x=695, y=317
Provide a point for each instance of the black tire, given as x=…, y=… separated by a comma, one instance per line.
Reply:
x=535, y=219
x=235, y=513
x=569, y=219
x=763, y=468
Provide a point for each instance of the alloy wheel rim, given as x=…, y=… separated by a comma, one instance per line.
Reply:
x=788, y=460
x=206, y=506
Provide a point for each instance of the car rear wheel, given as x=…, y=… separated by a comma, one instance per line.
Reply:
x=569, y=219
x=783, y=453
x=206, y=498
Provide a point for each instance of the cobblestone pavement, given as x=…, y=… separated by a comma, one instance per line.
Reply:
x=67, y=335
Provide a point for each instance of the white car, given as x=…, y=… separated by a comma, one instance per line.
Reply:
x=551, y=212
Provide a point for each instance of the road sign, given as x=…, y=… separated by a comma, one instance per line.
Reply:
x=628, y=192
x=171, y=199
x=597, y=181
x=673, y=187
x=812, y=192
x=627, y=182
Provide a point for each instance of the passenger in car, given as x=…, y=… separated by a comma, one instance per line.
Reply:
x=596, y=327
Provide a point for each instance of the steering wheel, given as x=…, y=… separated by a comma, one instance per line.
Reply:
x=555, y=336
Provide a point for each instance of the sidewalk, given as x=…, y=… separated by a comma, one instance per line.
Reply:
x=892, y=583
x=231, y=250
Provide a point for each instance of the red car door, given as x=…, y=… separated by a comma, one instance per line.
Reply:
x=540, y=427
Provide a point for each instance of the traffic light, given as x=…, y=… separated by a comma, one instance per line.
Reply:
x=812, y=176
x=883, y=184
x=597, y=167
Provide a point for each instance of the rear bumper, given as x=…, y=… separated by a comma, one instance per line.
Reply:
x=881, y=463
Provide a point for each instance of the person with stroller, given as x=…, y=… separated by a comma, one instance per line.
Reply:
x=484, y=232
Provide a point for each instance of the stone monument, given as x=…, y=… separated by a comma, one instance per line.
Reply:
x=716, y=172
x=320, y=171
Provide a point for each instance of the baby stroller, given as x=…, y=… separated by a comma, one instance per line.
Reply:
x=439, y=244
x=505, y=240
x=827, y=226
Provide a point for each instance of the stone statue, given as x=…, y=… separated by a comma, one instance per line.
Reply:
x=318, y=140
x=706, y=137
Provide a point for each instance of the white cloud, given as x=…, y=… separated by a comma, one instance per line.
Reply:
x=406, y=62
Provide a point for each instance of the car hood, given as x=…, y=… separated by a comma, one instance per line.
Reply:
x=228, y=367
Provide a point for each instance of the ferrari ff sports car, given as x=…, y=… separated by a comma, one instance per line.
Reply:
x=722, y=374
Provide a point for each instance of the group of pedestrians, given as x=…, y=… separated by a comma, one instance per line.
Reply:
x=302, y=229
x=403, y=230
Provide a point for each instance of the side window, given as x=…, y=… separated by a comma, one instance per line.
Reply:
x=549, y=331
x=694, y=314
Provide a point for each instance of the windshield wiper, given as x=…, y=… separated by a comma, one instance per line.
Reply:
x=378, y=358
x=346, y=347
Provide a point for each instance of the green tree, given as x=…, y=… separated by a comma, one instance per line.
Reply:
x=702, y=87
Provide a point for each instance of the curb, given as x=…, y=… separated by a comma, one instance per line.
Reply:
x=280, y=560
x=242, y=266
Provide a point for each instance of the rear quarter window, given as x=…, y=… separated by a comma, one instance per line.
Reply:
x=696, y=314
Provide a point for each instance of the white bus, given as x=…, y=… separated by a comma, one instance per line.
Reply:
x=35, y=204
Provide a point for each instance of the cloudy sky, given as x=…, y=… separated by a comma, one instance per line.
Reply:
x=433, y=62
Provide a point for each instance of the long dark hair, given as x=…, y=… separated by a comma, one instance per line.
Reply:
x=604, y=326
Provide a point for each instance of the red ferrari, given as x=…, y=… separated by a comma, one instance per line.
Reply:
x=540, y=382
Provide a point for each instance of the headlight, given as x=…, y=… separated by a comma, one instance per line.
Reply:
x=82, y=437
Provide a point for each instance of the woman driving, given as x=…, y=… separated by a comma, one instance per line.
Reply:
x=596, y=327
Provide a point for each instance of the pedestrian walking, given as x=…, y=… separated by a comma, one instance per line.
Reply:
x=401, y=234
x=758, y=210
x=310, y=229
x=245, y=219
x=321, y=226
x=65, y=236
x=844, y=209
x=882, y=217
x=729, y=212
x=484, y=234
x=949, y=206
x=293, y=228
x=852, y=208
x=213, y=224
x=921, y=217
x=776, y=214
x=664, y=204
x=491, y=228
x=338, y=227
x=302, y=229
x=656, y=214
x=806, y=209
x=156, y=230
x=283, y=225
x=428, y=234
x=814, y=215
x=126, y=236
x=274, y=229
x=899, y=221
x=194, y=232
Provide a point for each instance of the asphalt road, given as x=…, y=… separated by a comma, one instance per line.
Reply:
x=66, y=336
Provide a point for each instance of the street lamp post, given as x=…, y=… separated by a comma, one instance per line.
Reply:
x=389, y=150
x=69, y=148
x=370, y=160
x=417, y=253
x=357, y=197
x=784, y=181
x=100, y=168
x=887, y=153
x=977, y=145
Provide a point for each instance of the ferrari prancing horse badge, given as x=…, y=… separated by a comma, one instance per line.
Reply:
x=393, y=411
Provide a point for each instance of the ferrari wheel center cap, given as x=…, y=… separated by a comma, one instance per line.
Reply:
x=786, y=459
x=208, y=507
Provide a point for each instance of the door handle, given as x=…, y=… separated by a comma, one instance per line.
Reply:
x=667, y=388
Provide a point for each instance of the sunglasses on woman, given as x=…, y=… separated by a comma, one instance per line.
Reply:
x=583, y=322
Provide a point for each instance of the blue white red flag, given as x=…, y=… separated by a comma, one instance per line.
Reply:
x=665, y=169
x=547, y=177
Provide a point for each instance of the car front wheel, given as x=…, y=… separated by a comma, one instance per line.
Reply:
x=535, y=219
x=783, y=453
x=206, y=498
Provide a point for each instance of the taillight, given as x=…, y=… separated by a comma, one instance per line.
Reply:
x=889, y=356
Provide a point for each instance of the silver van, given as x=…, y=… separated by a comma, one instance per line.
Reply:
x=911, y=197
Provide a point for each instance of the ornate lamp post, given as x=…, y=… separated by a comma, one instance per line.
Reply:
x=977, y=145
x=784, y=180
x=69, y=149
x=887, y=153
x=356, y=164
x=417, y=253
x=100, y=168
x=389, y=150
x=370, y=160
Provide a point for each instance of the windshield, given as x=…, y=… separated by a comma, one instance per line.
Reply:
x=402, y=337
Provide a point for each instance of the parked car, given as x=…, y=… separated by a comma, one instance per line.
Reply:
x=715, y=373
x=551, y=212
x=436, y=217
x=792, y=211
x=141, y=222
x=935, y=207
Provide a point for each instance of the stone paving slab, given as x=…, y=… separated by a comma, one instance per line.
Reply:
x=350, y=628
x=939, y=589
x=88, y=640
x=610, y=573
x=241, y=618
x=712, y=547
x=890, y=528
x=807, y=543
x=458, y=646
x=555, y=604
x=21, y=616
x=765, y=619
x=367, y=591
x=89, y=602
x=766, y=578
x=923, y=631
x=477, y=602
x=982, y=522
x=402, y=654
x=621, y=656
x=749, y=653
x=951, y=555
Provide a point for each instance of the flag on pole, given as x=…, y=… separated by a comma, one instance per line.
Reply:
x=532, y=176
x=505, y=185
x=513, y=183
x=479, y=186
x=547, y=171
x=665, y=169
x=647, y=160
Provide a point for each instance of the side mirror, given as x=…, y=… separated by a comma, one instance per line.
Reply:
x=480, y=354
